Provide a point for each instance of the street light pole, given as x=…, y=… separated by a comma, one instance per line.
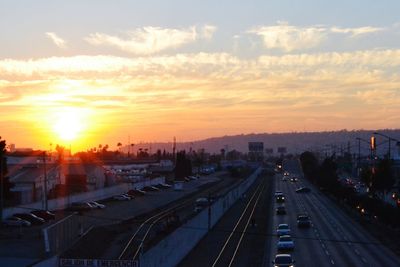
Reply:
x=390, y=139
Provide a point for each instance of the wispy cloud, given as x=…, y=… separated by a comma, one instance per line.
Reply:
x=56, y=39
x=356, y=31
x=140, y=90
x=151, y=40
x=288, y=38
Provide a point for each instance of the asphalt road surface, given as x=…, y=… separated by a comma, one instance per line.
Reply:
x=333, y=239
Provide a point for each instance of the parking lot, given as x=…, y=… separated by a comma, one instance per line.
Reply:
x=26, y=244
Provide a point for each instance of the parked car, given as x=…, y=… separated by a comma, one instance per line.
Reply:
x=44, y=214
x=79, y=206
x=283, y=260
x=303, y=190
x=136, y=192
x=15, y=221
x=280, y=210
x=283, y=229
x=303, y=220
x=96, y=205
x=33, y=219
x=122, y=197
x=285, y=242
x=150, y=188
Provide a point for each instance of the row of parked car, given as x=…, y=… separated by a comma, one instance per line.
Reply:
x=35, y=217
x=131, y=194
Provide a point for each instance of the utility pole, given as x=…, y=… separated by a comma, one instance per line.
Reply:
x=45, y=182
x=173, y=150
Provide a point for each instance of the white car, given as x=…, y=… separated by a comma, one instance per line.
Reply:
x=285, y=242
x=14, y=221
x=96, y=205
x=283, y=229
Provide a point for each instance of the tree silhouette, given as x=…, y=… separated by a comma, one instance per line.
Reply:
x=5, y=184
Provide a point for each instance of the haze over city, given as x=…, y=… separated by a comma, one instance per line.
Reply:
x=84, y=73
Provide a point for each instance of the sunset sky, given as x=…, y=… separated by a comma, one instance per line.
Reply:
x=89, y=72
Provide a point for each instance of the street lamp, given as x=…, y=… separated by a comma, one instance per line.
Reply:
x=390, y=139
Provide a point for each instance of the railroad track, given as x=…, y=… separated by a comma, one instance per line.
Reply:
x=229, y=251
x=146, y=229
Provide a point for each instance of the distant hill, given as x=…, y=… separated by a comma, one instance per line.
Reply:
x=295, y=142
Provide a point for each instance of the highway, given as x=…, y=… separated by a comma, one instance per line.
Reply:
x=333, y=239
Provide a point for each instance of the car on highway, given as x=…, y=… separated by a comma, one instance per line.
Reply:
x=280, y=210
x=283, y=229
x=303, y=220
x=284, y=178
x=286, y=173
x=285, y=242
x=283, y=260
x=280, y=198
x=303, y=190
x=200, y=204
x=44, y=214
x=33, y=219
x=15, y=221
x=278, y=193
x=294, y=179
x=96, y=205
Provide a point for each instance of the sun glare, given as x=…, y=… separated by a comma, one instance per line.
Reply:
x=68, y=125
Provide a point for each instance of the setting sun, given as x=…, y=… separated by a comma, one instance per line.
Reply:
x=68, y=125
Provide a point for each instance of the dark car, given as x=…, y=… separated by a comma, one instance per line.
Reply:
x=136, y=192
x=79, y=206
x=33, y=219
x=281, y=210
x=280, y=198
x=44, y=214
x=303, y=190
x=150, y=188
x=294, y=179
x=303, y=220
x=283, y=260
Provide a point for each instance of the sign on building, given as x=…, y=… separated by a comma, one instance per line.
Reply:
x=256, y=151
